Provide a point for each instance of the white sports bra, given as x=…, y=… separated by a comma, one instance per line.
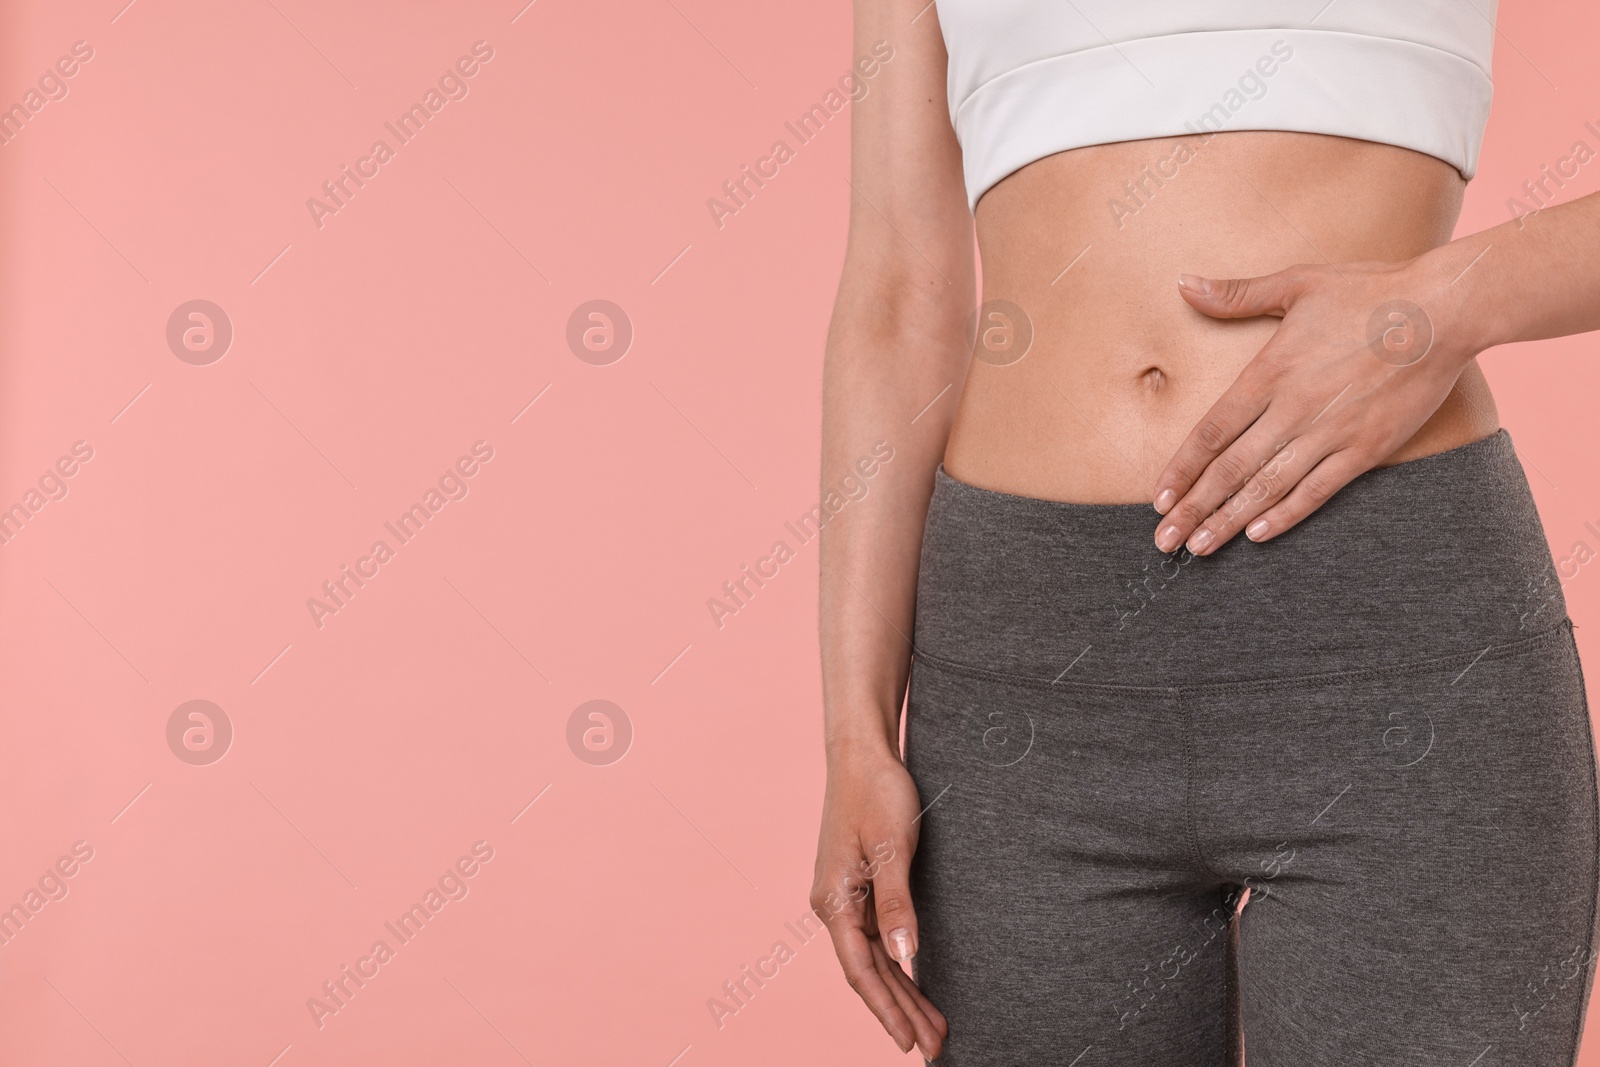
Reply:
x=1028, y=78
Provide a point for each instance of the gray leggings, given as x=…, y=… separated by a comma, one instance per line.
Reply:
x=1372, y=730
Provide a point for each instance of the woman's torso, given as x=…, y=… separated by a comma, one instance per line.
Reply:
x=1084, y=248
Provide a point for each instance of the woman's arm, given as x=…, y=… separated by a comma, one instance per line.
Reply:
x=1534, y=277
x=1365, y=354
x=895, y=344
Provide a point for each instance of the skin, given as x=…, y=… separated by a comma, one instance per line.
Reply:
x=1328, y=398
x=1253, y=393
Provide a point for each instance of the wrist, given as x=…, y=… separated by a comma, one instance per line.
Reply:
x=869, y=744
x=1452, y=282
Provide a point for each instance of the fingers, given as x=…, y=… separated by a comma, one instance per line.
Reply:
x=854, y=949
x=910, y=999
x=869, y=916
x=923, y=1004
x=897, y=920
x=1310, y=492
x=1296, y=481
x=1230, y=416
x=1222, y=477
x=1243, y=298
x=1264, y=488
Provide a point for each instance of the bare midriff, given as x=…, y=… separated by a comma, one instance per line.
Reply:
x=1089, y=243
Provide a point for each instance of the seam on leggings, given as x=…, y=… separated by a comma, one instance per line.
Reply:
x=1586, y=986
x=1521, y=647
x=1185, y=718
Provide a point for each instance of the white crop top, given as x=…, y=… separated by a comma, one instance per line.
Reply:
x=1028, y=78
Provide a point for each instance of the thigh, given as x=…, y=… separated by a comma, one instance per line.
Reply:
x=1431, y=893
x=1063, y=920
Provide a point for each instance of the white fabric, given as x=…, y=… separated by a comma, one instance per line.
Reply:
x=1028, y=78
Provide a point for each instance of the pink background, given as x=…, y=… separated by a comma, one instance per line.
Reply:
x=368, y=355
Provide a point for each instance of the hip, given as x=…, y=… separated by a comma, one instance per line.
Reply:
x=1432, y=559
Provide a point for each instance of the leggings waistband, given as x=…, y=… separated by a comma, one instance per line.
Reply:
x=1419, y=561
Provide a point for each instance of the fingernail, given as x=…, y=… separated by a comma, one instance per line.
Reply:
x=900, y=944
x=1165, y=499
x=1198, y=543
x=1256, y=530
x=1194, y=283
x=1168, y=539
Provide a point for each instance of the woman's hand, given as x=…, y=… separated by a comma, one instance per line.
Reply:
x=862, y=891
x=1365, y=354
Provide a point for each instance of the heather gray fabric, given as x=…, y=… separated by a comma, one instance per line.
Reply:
x=1375, y=722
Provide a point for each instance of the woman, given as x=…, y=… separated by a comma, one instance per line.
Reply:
x=1364, y=718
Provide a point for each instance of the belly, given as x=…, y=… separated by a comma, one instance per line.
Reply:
x=1090, y=370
